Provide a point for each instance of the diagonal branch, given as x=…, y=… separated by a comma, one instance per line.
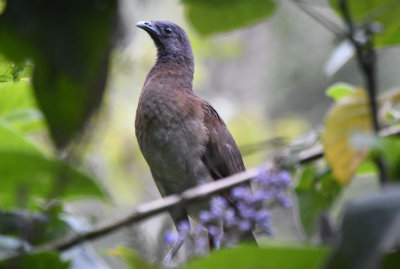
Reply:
x=155, y=207
x=189, y=196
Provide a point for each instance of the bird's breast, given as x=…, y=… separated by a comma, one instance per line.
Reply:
x=171, y=136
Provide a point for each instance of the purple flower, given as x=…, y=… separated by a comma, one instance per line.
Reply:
x=214, y=230
x=283, y=200
x=170, y=238
x=230, y=217
x=245, y=225
x=218, y=206
x=227, y=224
x=201, y=245
x=183, y=229
x=246, y=211
x=263, y=214
x=285, y=178
x=240, y=192
x=217, y=235
x=205, y=216
x=260, y=196
x=263, y=176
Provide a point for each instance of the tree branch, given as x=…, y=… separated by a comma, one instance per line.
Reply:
x=189, y=196
x=155, y=207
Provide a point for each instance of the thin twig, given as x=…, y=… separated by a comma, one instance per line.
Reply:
x=366, y=58
x=310, y=155
x=329, y=25
x=277, y=142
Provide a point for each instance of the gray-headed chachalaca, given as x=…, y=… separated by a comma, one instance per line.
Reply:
x=181, y=136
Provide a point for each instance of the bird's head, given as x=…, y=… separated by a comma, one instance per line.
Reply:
x=170, y=39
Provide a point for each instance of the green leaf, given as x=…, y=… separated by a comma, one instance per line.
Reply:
x=38, y=228
x=339, y=90
x=11, y=141
x=16, y=95
x=26, y=121
x=367, y=167
x=27, y=174
x=13, y=71
x=18, y=107
x=131, y=258
x=392, y=260
x=36, y=261
x=210, y=17
x=383, y=11
x=70, y=67
x=369, y=231
x=274, y=257
x=389, y=149
x=2, y=5
x=316, y=192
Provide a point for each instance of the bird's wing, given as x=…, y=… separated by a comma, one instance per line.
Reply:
x=221, y=156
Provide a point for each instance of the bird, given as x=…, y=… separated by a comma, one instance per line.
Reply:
x=181, y=136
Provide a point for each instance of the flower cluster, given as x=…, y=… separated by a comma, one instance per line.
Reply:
x=228, y=224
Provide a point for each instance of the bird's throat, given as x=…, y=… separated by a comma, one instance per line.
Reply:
x=173, y=70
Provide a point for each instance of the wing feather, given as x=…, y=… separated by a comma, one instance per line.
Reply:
x=222, y=156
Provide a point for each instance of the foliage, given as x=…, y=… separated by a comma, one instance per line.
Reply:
x=131, y=258
x=35, y=228
x=243, y=256
x=346, y=124
x=235, y=14
x=20, y=116
x=349, y=116
x=382, y=11
x=316, y=192
x=365, y=241
x=71, y=66
x=36, y=261
x=23, y=186
x=389, y=149
x=54, y=58
x=339, y=90
x=278, y=257
x=47, y=85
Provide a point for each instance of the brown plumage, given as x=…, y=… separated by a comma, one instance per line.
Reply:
x=181, y=136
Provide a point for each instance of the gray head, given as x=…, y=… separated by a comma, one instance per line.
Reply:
x=170, y=39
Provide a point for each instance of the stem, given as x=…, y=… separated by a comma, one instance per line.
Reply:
x=366, y=58
x=329, y=25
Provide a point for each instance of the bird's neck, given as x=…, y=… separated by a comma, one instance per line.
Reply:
x=179, y=61
x=173, y=70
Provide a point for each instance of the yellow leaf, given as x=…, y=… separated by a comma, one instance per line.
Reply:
x=349, y=116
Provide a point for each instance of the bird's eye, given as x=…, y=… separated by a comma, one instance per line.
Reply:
x=167, y=30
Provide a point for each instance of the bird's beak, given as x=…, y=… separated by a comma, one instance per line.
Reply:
x=148, y=27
